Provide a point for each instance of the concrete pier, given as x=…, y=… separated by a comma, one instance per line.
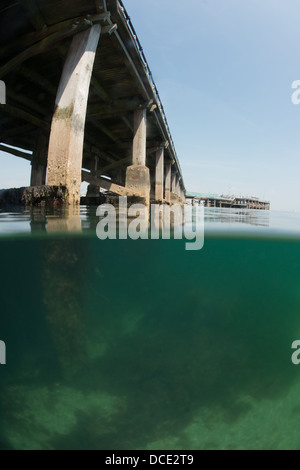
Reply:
x=79, y=78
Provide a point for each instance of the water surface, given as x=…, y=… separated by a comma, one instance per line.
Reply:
x=144, y=345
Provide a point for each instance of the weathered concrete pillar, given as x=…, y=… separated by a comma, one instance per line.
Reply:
x=173, y=181
x=119, y=176
x=174, y=186
x=140, y=137
x=177, y=186
x=159, y=175
x=93, y=190
x=181, y=194
x=39, y=162
x=67, y=130
x=138, y=175
x=168, y=182
x=38, y=174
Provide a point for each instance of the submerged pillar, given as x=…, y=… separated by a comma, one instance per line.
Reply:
x=138, y=175
x=159, y=175
x=67, y=129
x=168, y=182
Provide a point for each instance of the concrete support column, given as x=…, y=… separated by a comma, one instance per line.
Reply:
x=93, y=190
x=173, y=181
x=174, y=187
x=138, y=175
x=67, y=129
x=159, y=175
x=140, y=137
x=120, y=176
x=39, y=162
x=38, y=174
x=177, y=186
x=168, y=182
x=181, y=193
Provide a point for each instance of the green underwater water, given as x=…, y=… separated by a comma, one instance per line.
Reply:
x=143, y=345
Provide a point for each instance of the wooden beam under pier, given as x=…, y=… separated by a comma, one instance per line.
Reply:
x=15, y=152
x=107, y=184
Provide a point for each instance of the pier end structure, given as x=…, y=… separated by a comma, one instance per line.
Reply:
x=232, y=202
x=81, y=101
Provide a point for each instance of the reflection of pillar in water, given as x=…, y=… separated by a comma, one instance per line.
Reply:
x=67, y=220
x=64, y=262
x=38, y=219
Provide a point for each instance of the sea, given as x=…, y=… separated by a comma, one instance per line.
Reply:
x=145, y=345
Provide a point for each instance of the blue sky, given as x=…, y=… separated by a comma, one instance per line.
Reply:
x=224, y=71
